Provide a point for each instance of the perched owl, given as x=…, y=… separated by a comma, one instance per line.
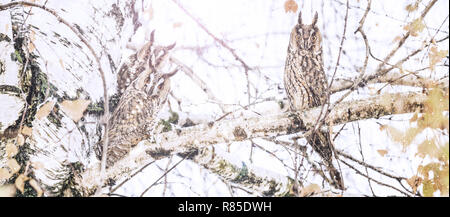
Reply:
x=144, y=90
x=306, y=86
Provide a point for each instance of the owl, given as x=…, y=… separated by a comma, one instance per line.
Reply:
x=144, y=89
x=306, y=85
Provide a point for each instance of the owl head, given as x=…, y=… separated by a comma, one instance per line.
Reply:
x=307, y=37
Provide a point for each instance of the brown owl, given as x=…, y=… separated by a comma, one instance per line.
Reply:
x=144, y=91
x=306, y=86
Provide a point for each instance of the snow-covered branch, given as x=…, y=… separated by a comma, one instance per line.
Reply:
x=200, y=138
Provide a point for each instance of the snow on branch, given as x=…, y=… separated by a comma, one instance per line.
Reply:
x=198, y=139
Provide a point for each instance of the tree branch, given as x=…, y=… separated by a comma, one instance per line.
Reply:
x=199, y=137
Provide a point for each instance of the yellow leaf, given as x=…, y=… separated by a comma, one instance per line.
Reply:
x=27, y=131
x=5, y=174
x=428, y=189
x=20, y=182
x=290, y=6
x=74, y=109
x=7, y=190
x=443, y=178
x=11, y=149
x=436, y=56
x=415, y=27
x=412, y=7
x=310, y=190
x=443, y=151
x=45, y=110
x=13, y=165
x=436, y=104
x=382, y=152
x=36, y=187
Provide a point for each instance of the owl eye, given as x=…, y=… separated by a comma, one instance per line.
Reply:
x=313, y=36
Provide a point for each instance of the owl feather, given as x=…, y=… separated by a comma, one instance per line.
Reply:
x=144, y=89
x=306, y=86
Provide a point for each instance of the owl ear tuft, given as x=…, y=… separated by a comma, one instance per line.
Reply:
x=152, y=37
x=300, y=18
x=316, y=16
x=170, y=47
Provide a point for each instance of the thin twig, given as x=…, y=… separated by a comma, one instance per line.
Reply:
x=247, y=68
x=376, y=181
x=129, y=178
x=165, y=174
x=362, y=156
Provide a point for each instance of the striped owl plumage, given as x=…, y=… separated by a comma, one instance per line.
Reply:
x=306, y=86
x=144, y=90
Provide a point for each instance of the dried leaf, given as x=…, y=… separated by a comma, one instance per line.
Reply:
x=436, y=56
x=74, y=109
x=177, y=24
x=13, y=165
x=415, y=27
x=443, y=180
x=310, y=190
x=32, y=37
x=414, y=182
x=382, y=152
x=414, y=118
x=437, y=103
x=27, y=131
x=412, y=7
x=20, y=182
x=7, y=190
x=428, y=188
x=36, y=187
x=5, y=174
x=290, y=6
x=404, y=138
x=45, y=110
x=20, y=139
x=61, y=63
x=397, y=38
x=11, y=149
x=428, y=147
x=386, y=100
x=31, y=47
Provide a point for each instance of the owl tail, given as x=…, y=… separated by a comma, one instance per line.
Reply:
x=321, y=143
